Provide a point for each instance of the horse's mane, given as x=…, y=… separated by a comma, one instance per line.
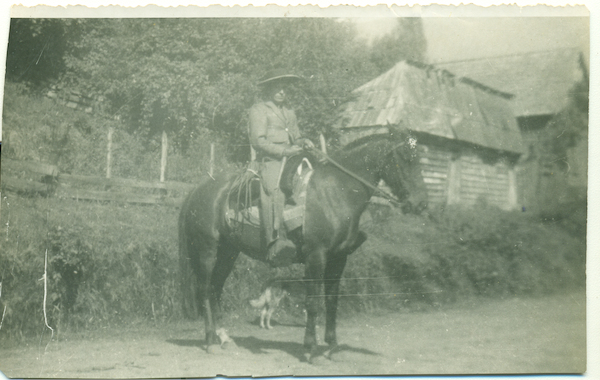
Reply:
x=366, y=140
x=383, y=142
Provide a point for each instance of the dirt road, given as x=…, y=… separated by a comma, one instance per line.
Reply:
x=517, y=335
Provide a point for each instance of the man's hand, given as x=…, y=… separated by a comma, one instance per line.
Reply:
x=306, y=143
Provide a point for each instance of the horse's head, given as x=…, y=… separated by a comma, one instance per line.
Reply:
x=392, y=157
x=401, y=171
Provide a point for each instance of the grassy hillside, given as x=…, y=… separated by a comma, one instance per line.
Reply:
x=111, y=263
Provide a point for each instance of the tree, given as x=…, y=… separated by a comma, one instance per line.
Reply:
x=36, y=49
x=566, y=129
x=186, y=75
x=406, y=41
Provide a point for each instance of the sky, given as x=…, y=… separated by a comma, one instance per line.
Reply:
x=454, y=38
x=450, y=39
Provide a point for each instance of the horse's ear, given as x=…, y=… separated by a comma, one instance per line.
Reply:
x=393, y=129
x=399, y=132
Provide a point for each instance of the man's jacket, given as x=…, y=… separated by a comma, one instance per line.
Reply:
x=272, y=129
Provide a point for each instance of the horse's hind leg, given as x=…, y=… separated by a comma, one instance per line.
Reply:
x=226, y=257
x=315, y=268
x=333, y=273
x=203, y=268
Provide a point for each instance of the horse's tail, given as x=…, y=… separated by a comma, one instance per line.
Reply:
x=190, y=221
x=187, y=282
x=260, y=301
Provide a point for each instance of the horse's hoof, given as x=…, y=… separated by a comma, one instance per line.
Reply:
x=318, y=360
x=337, y=355
x=229, y=346
x=318, y=356
x=214, y=349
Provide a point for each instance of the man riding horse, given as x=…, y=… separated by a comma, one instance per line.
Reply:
x=274, y=136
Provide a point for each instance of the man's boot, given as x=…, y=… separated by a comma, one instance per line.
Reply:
x=281, y=251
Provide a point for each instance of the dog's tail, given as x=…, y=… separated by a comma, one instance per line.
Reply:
x=260, y=301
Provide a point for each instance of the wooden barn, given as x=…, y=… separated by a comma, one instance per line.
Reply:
x=544, y=83
x=469, y=138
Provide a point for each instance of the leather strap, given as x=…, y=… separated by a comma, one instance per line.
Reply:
x=385, y=195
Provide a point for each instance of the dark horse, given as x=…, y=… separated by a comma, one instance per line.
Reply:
x=334, y=203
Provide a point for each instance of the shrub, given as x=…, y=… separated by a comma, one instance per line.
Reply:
x=411, y=260
x=115, y=263
x=107, y=262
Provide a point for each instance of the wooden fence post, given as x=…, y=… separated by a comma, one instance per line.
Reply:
x=211, y=163
x=109, y=151
x=163, y=157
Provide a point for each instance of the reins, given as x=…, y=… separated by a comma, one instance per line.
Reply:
x=383, y=193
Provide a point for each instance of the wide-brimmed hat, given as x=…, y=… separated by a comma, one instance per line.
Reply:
x=278, y=75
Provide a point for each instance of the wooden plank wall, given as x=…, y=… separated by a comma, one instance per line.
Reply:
x=465, y=179
x=435, y=167
x=483, y=183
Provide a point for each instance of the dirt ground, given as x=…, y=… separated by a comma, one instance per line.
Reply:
x=517, y=335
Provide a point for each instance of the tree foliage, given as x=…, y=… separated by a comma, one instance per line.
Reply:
x=187, y=76
x=406, y=42
x=567, y=128
x=36, y=49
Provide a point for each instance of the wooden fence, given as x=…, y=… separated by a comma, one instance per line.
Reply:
x=44, y=179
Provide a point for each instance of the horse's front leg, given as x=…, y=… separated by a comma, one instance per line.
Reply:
x=315, y=268
x=333, y=273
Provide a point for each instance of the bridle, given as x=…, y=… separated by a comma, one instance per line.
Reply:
x=384, y=194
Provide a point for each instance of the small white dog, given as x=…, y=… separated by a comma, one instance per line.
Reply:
x=273, y=292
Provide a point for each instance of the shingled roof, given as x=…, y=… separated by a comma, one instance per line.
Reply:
x=541, y=81
x=436, y=102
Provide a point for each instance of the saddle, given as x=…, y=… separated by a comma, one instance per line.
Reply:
x=244, y=194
